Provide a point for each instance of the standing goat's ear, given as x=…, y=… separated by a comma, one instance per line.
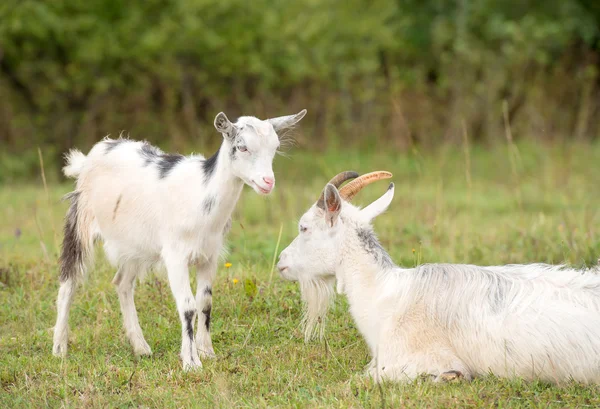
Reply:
x=333, y=204
x=378, y=206
x=283, y=122
x=223, y=125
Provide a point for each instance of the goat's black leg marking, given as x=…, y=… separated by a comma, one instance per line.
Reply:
x=206, y=311
x=189, y=326
x=189, y=323
x=208, y=291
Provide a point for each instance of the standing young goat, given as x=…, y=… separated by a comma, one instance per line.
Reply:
x=445, y=320
x=150, y=208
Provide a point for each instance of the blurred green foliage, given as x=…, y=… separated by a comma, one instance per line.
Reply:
x=404, y=71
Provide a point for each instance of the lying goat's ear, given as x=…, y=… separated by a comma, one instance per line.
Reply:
x=333, y=204
x=378, y=206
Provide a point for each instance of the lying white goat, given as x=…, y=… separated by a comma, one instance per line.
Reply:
x=152, y=207
x=445, y=320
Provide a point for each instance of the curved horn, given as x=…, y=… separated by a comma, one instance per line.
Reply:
x=336, y=181
x=351, y=189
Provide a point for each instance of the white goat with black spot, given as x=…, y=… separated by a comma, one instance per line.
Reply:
x=151, y=207
x=444, y=320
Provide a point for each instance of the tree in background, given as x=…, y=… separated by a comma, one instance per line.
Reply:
x=405, y=72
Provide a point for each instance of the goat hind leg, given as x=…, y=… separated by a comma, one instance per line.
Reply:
x=63, y=306
x=125, y=285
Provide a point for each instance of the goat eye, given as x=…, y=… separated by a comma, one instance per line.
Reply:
x=303, y=229
x=242, y=148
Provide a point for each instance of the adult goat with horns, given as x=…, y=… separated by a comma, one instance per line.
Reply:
x=444, y=320
x=151, y=207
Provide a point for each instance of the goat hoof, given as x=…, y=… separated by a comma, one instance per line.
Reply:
x=192, y=365
x=191, y=362
x=449, y=376
x=60, y=350
x=140, y=346
x=210, y=354
x=204, y=347
x=142, y=351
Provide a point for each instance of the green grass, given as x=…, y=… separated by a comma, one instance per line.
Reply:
x=538, y=205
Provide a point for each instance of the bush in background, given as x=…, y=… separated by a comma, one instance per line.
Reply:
x=402, y=72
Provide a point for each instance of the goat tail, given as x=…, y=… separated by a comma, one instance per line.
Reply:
x=75, y=161
x=78, y=243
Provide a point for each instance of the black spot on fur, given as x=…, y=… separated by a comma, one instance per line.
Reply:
x=166, y=162
x=149, y=153
x=189, y=327
x=232, y=153
x=208, y=291
x=209, y=165
x=208, y=204
x=371, y=245
x=117, y=207
x=112, y=144
x=206, y=311
x=71, y=256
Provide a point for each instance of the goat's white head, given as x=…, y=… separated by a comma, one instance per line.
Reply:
x=252, y=145
x=313, y=256
x=316, y=251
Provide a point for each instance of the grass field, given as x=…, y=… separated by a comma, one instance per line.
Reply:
x=500, y=205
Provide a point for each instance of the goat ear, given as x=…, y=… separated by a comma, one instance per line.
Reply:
x=223, y=124
x=380, y=205
x=333, y=204
x=284, y=122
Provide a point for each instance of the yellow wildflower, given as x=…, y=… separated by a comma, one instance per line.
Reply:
x=227, y=265
x=235, y=281
x=413, y=250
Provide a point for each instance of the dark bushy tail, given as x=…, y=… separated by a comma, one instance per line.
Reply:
x=71, y=257
x=77, y=246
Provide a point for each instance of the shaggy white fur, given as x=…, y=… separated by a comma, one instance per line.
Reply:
x=530, y=321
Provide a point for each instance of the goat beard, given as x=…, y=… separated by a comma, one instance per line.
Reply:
x=317, y=295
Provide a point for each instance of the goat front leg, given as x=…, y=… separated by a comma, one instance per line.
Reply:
x=179, y=280
x=416, y=347
x=205, y=276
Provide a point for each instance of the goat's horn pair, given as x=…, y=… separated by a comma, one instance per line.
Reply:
x=336, y=181
x=351, y=189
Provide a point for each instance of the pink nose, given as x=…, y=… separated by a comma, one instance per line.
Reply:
x=269, y=181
